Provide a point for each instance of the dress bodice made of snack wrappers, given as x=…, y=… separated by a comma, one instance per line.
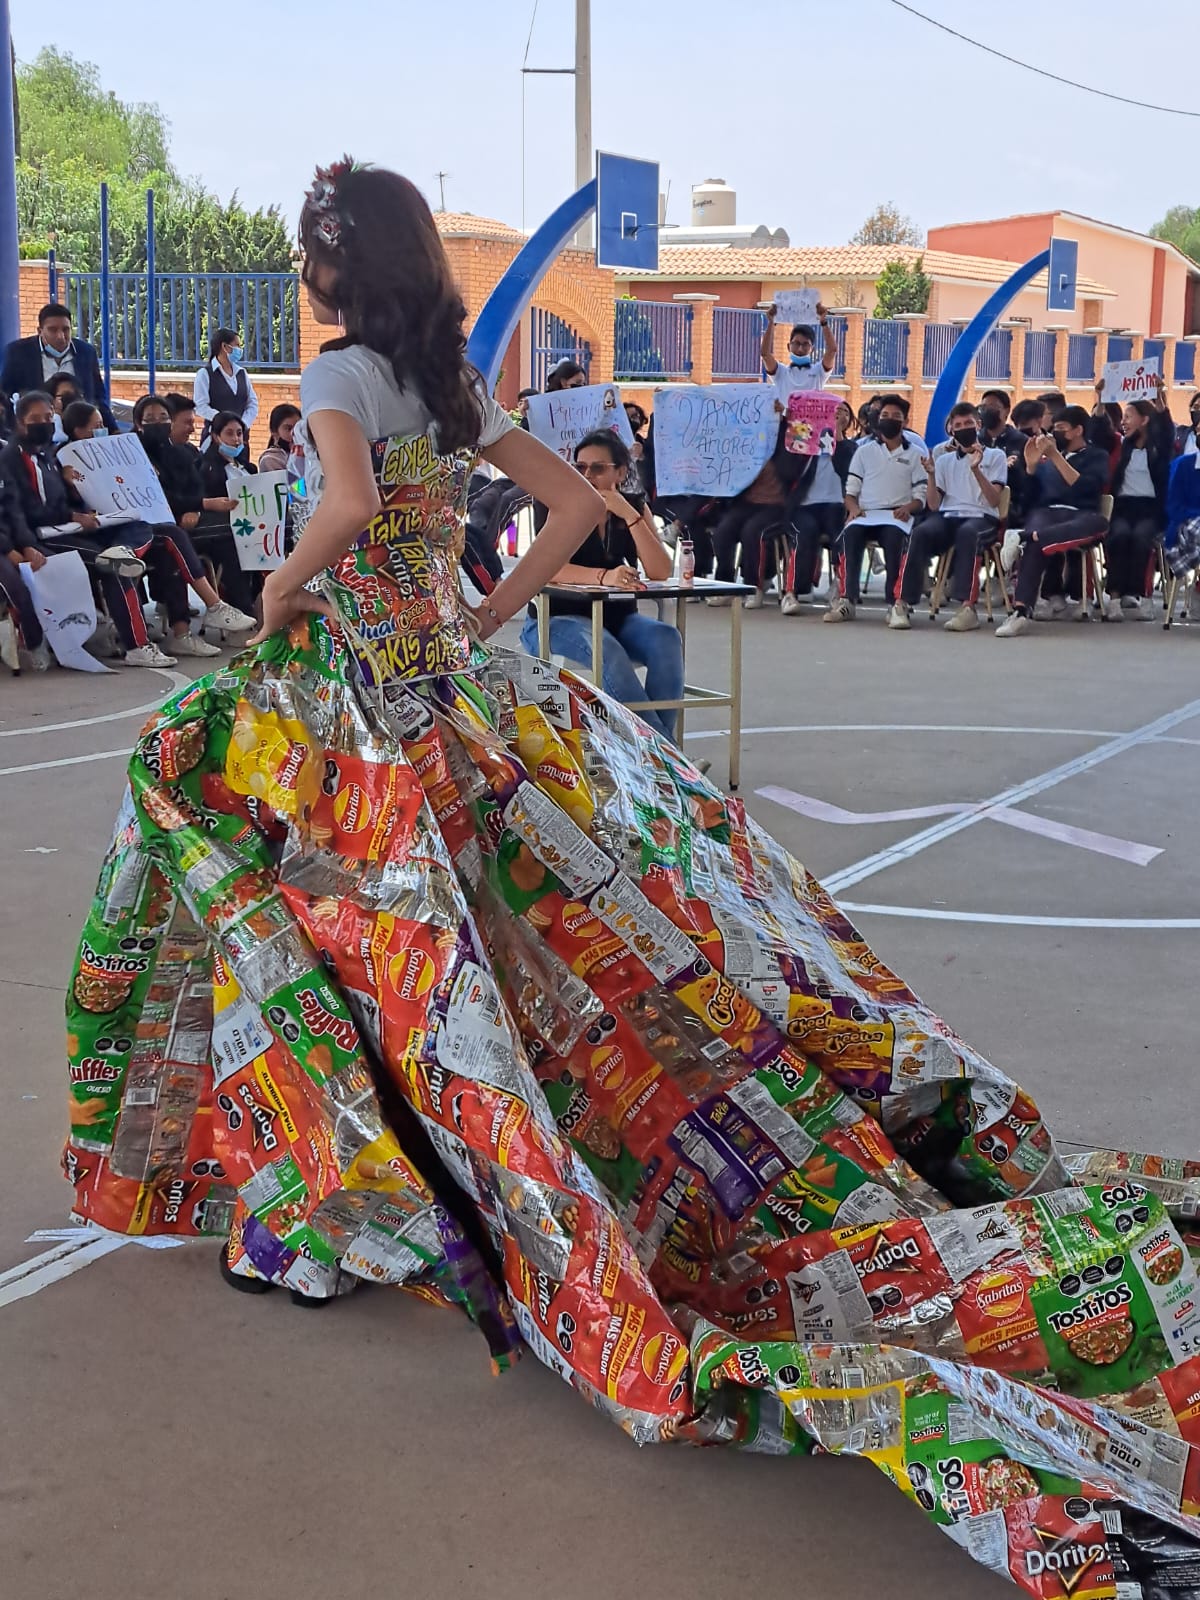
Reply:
x=396, y=589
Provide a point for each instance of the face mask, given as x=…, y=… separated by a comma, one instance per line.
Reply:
x=802, y=361
x=155, y=434
x=235, y=352
x=964, y=438
x=37, y=434
x=99, y=433
x=890, y=427
x=990, y=417
x=1060, y=440
x=230, y=451
x=55, y=355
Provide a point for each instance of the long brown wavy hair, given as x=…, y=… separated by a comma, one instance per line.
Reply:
x=395, y=291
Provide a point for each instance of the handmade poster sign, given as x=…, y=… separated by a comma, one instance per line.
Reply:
x=811, y=422
x=62, y=593
x=794, y=306
x=563, y=418
x=258, y=522
x=714, y=439
x=115, y=478
x=1130, y=380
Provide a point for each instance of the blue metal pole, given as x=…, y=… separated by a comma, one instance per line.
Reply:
x=105, y=307
x=508, y=301
x=10, y=254
x=966, y=346
x=151, y=295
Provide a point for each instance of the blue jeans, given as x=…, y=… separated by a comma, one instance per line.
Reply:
x=651, y=644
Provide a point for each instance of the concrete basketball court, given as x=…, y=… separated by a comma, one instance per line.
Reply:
x=166, y=1437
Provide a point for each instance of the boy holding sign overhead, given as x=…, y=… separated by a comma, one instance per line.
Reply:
x=803, y=370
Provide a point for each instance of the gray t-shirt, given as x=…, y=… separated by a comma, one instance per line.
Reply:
x=361, y=383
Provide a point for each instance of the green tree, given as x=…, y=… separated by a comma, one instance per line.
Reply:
x=1180, y=227
x=76, y=135
x=888, y=225
x=902, y=288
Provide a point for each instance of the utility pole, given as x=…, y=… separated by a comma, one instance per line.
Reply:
x=441, y=178
x=582, y=73
x=10, y=297
x=583, y=108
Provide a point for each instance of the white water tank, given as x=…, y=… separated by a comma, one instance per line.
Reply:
x=714, y=204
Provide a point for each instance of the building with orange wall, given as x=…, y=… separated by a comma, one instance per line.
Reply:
x=1152, y=285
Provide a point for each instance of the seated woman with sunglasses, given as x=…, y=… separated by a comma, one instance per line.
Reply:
x=611, y=555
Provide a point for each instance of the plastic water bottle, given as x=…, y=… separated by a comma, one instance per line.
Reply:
x=687, y=562
x=512, y=538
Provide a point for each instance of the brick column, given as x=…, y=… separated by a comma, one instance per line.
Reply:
x=1168, y=363
x=1016, y=369
x=916, y=364
x=1062, y=345
x=702, y=333
x=856, y=324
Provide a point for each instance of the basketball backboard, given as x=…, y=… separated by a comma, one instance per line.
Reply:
x=1062, y=274
x=626, y=213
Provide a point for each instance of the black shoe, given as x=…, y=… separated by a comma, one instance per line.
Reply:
x=243, y=1285
x=310, y=1302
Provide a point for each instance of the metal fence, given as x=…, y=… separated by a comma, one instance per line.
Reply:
x=262, y=307
x=940, y=339
x=1154, y=349
x=993, y=364
x=837, y=326
x=1120, y=348
x=552, y=341
x=1039, y=356
x=1081, y=358
x=885, y=351
x=652, y=339
x=1185, y=363
x=737, y=341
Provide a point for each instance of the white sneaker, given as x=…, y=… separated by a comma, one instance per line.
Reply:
x=149, y=655
x=1010, y=550
x=121, y=560
x=9, y=653
x=964, y=620
x=718, y=600
x=791, y=605
x=1052, y=610
x=1112, y=610
x=1077, y=611
x=193, y=644
x=898, y=617
x=229, y=619
x=38, y=659
x=754, y=602
x=1016, y=625
x=842, y=610
x=1138, y=608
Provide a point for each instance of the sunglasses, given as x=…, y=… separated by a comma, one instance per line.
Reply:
x=593, y=469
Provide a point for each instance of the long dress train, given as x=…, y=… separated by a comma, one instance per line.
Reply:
x=425, y=964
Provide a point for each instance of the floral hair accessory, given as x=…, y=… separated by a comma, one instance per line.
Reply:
x=329, y=225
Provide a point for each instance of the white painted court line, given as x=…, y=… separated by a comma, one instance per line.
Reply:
x=1007, y=798
x=19, y=1282
x=940, y=914
x=68, y=761
x=905, y=727
x=175, y=682
x=1104, y=844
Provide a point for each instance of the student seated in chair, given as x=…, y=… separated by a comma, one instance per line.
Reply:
x=1069, y=476
x=885, y=486
x=965, y=484
x=611, y=556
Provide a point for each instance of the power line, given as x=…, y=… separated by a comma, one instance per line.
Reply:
x=1143, y=105
x=524, y=64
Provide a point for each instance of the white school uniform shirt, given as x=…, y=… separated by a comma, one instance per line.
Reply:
x=798, y=380
x=200, y=393
x=881, y=479
x=1137, y=482
x=960, y=491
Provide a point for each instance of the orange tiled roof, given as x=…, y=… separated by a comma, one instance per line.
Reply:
x=463, y=224
x=835, y=261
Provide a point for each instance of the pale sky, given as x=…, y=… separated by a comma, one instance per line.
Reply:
x=895, y=110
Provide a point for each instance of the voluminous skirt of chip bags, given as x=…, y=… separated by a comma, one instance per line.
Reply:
x=427, y=965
